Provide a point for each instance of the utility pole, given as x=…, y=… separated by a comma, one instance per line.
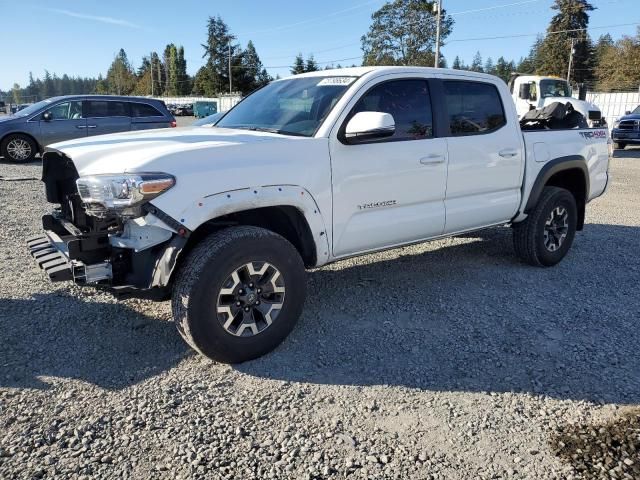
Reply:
x=151, y=62
x=571, y=60
x=439, y=22
x=230, y=81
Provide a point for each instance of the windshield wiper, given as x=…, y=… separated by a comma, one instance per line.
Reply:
x=268, y=130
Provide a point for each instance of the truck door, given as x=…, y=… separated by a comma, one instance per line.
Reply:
x=486, y=161
x=389, y=191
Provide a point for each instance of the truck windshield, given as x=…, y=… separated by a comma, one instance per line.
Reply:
x=554, y=88
x=637, y=110
x=290, y=107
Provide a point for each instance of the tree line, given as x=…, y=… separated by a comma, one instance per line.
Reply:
x=402, y=32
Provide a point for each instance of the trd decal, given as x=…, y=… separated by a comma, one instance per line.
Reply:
x=594, y=134
x=386, y=203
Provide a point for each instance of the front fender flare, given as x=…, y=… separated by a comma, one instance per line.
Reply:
x=223, y=203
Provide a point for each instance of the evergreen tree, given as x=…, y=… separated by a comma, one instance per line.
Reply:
x=476, y=63
x=504, y=69
x=298, y=65
x=16, y=93
x=403, y=32
x=570, y=23
x=619, y=65
x=458, y=64
x=217, y=49
x=203, y=84
x=251, y=74
x=121, y=79
x=311, y=65
x=489, y=66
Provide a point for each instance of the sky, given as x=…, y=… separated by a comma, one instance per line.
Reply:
x=82, y=38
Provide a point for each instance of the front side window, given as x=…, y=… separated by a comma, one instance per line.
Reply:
x=297, y=106
x=473, y=107
x=66, y=111
x=407, y=101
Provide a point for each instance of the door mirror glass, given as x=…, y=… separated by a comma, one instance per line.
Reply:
x=47, y=117
x=366, y=126
x=628, y=112
x=525, y=91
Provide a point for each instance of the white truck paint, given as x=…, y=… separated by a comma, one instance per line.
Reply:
x=354, y=188
x=540, y=91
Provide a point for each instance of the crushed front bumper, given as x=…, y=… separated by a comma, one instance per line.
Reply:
x=66, y=254
x=55, y=255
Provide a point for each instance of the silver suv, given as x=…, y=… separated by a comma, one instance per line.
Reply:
x=26, y=133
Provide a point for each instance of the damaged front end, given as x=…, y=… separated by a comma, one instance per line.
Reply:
x=105, y=233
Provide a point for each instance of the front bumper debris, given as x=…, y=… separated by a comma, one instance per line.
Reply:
x=51, y=253
x=49, y=258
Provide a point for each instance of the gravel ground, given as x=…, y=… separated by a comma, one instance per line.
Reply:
x=447, y=360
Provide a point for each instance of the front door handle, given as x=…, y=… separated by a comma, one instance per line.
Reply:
x=508, y=153
x=433, y=159
x=81, y=126
x=92, y=126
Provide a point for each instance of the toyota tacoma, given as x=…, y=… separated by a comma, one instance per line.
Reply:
x=306, y=171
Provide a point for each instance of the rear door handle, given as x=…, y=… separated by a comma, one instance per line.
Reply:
x=508, y=153
x=433, y=159
x=81, y=126
x=92, y=126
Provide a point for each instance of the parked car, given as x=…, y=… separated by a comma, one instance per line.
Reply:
x=304, y=172
x=184, y=110
x=626, y=130
x=209, y=121
x=203, y=109
x=25, y=133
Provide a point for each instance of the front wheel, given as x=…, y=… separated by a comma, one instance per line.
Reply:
x=239, y=293
x=18, y=148
x=545, y=237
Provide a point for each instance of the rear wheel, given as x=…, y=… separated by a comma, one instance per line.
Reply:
x=619, y=145
x=545, y=237
x=18, y=148
x=239, y=293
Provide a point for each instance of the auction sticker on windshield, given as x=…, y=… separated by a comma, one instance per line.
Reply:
x=336, y=81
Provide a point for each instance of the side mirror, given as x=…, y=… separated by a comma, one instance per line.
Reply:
x=628, y=112
x=525, y=91
x=365, y=126
x=47, y=117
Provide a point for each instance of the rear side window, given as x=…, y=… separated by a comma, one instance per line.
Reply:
x=139, y=110
x=473, y=107
x=104, y=108
x=407, y=101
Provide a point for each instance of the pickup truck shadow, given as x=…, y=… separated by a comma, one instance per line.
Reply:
x=106, y=344
x=470, y=317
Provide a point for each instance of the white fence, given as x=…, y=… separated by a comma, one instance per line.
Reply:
x=614, y=105
x=224, y=102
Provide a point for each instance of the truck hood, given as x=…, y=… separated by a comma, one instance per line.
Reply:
x=633, y=116
x=157, y=150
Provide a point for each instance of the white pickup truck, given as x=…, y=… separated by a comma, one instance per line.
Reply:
x=536, y=92
x=304, y=172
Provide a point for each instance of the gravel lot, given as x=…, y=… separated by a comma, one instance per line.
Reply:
x=447, y=360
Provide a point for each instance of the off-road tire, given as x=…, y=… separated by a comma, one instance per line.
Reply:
x=529, y=235
x=24, y=140
x=200, y=279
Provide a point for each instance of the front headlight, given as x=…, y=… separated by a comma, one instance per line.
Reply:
x=616, y=124
x=121, y=193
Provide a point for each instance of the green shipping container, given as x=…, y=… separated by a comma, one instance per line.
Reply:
x=204, y=109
